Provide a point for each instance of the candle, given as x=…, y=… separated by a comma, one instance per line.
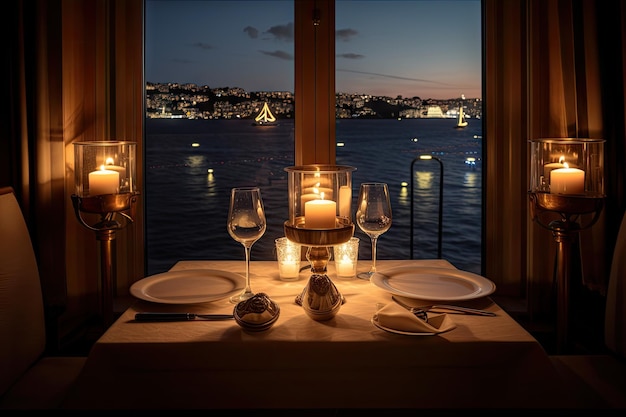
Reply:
x=345, y=200
x=548, y=168
x=103, y=181
x=304, y=198
x=567, y=181
x=288, y=255
x=320, y=214
x=345, y=267
x=109, y=165
x=346, y=256
x=328, y=192
x=289, y=269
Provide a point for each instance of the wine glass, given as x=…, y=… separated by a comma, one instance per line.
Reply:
x=373, y=216
x=246, y=224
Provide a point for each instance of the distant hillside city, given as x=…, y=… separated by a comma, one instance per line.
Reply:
x=190, y=101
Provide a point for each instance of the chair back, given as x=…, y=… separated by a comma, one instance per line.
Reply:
x=615, y=314
x=22, y=326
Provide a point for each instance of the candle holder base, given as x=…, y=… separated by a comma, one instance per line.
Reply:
x=107, y=207
x=320, y=299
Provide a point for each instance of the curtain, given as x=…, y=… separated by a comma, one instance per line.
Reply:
x=35, y=143
x=74, y=73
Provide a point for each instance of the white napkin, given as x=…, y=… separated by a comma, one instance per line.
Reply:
x=393, y=316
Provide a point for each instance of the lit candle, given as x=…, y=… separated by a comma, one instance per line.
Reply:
x=345, y=199
x=548, y=168
x=288, y=256
x=315, y=193
x=109, y=165
x=328, y=192
x=567, y=180
x=344, y=266
x=103, y=181
x=289, y=268
x=320, y=214
x=305, y=198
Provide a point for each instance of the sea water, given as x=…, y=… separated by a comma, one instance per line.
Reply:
x=191, y=166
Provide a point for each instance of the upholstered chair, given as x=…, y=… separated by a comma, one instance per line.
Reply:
x=28, y=378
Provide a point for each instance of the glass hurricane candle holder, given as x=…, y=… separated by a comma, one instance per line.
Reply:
x=326, y=190
x=320, y=206
x=104, y=167
x=567, y=166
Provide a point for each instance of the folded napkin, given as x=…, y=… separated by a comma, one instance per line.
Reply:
x=393, y=316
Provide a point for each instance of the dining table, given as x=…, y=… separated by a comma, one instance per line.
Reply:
x=345, y=362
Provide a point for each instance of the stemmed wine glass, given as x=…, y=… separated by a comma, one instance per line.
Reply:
x=373, y=216
x=246, y=224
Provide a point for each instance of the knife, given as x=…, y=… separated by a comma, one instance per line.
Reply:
x=180, y=316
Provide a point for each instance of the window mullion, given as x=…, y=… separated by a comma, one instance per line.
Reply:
x=314, y=85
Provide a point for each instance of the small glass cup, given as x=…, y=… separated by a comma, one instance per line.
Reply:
x=346, y=256
x=288, y=257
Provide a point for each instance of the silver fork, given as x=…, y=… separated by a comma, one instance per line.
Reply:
x=421, y=310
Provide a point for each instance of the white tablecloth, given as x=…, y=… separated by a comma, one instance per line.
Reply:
x=346, y=362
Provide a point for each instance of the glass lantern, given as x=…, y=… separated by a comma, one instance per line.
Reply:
x=567, y=167
x=320, y=204
x=104, y=167
x=326, y=190
x=105, y=178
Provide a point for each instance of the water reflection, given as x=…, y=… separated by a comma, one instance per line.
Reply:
x=472, y=179
x=403, y=196
x=423, y=180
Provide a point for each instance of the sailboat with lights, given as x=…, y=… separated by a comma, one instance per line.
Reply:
x=265, y=117
x=461, y=121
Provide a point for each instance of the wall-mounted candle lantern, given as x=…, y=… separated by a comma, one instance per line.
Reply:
x=105, y=183
x=566, y=181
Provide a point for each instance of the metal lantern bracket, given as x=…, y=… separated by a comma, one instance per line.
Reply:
x=560, y=214
x=107, y=206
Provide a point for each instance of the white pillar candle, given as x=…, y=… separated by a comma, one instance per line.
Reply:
x=548, y=168
x=320, y=214
x=305, y=198
x=328, y=192
x=345, y=200
x=567, y=181
x=103, y=181
x=116, y=168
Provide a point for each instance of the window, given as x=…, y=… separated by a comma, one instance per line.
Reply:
x=196, y=126
x=401, y=61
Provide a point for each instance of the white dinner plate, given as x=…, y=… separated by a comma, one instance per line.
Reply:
x=188, y=286
x=435, y=284
x=402, y=332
